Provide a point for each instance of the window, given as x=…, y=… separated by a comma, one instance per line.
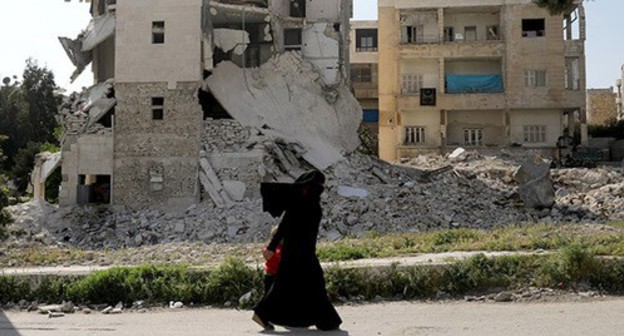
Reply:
x=158, y=32
x=470, y=33
x=366, y=40
x=492, y=33
x=361, y=73
x=158, y=108
x=449, y=34
x=156, y=178
x=473, y=137
x=416, y=34
x=414, y=135
x=535, y=134
x=292, y=39
x=572, y=73
x=533, y=28
x=298, y=8
x=411, y=83
x=535, y=78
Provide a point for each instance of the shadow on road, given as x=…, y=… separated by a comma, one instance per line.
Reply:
x=6, y=328
x=303, y=331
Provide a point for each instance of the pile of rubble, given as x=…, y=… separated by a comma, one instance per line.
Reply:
x=363, y=194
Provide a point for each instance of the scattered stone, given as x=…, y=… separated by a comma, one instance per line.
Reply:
x=504, y=297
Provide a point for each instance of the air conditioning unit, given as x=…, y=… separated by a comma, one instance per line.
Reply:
x=427, y=97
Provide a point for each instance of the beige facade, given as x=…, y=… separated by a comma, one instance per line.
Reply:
x=365, y=73
x=136, y=138
x=619, y=95
x=601, y=106
x=477, y=74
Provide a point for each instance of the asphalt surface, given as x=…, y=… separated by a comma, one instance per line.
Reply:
x=599, y=318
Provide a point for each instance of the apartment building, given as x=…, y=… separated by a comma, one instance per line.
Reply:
x=364, y=70
x=601, y=106
x=135, y=138
x=479, y=74
x=619, y=93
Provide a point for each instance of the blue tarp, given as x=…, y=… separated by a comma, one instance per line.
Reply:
x=474, y=84
x=370, y=116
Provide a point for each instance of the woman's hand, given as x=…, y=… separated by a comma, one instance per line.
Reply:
x=267, y=254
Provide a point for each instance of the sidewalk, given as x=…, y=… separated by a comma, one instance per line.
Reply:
x=412, y=260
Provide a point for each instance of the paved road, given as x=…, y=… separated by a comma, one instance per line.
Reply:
x=600, y=318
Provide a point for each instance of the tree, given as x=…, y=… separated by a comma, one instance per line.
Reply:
x=556, y=7
x=28, y=117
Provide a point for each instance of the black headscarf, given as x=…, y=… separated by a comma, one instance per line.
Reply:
x=277, y=197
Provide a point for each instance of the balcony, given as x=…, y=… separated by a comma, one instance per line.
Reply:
x=474, y=84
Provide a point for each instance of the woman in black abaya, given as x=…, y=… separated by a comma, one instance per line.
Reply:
x=298, y=297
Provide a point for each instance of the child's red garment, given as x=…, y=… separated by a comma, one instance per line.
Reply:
x=271, y=266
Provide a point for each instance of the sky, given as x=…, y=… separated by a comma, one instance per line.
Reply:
x=27, y=33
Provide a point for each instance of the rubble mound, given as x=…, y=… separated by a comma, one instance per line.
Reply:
x=363, y=195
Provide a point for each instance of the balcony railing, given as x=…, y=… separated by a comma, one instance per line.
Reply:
x=473, y=84
x=422, y=39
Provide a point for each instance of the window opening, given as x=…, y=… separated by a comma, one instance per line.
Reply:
x=414, y=135
x=535, y=134
x=533, y=27
x=470, y=33
x=365, y=40
x=449, y=34
x=158, y=32
x=473, y=137
x=158, y=108
x=292, y=39
x=411, y=83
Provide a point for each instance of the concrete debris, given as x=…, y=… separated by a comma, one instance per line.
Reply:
x=212, y=184
x=352, y=192
x=532, y=168
x=100, y=28
x=55, y=314
x=456, y=153
x=479, y=193
x=537, y=190
x=235, y=189
x=79, y=50
x=228, y=39
x=175, y=305
x=81, y=112
x=538, y=193
x=73, y=49
x=284, y=99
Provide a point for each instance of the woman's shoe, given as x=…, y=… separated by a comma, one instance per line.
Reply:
x=262, y=323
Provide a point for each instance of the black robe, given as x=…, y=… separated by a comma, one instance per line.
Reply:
x=298, y=297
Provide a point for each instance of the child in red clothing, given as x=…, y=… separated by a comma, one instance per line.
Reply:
x=271, y=267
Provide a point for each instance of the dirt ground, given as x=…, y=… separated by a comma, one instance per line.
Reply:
x=596, y=317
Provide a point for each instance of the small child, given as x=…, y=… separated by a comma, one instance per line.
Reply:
x=271, y=266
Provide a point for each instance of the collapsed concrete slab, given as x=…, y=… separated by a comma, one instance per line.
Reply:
x=285, y=96
x=537, y=189
x=100, y=28
x=538, y=193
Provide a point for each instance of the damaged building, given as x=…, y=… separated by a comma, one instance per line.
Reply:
x=481, y=74
x=205, y=99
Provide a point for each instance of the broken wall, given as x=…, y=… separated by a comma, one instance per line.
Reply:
x=178, y=59
x=284, y=97
x=156, y=161
x=86, y=154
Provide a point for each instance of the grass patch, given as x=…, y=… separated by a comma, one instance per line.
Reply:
x=514, y=238
x=572, y=266
x=602, y=240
